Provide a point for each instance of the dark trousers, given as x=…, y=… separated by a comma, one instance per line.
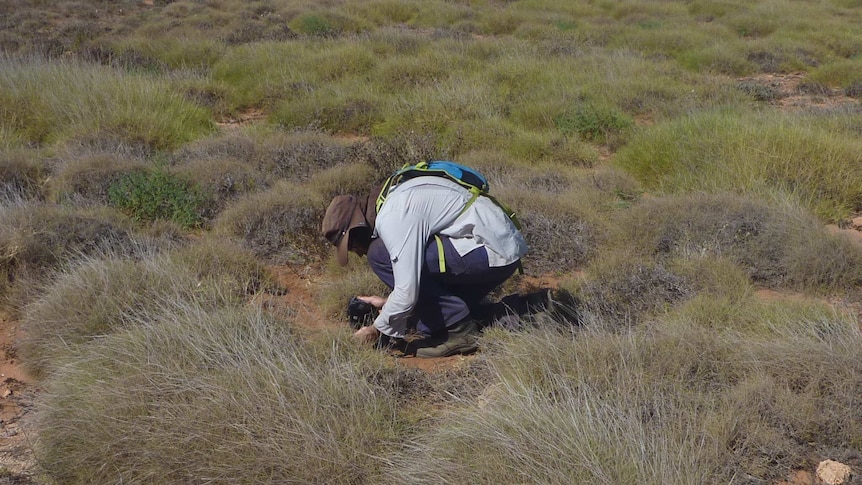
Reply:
x=444, y=298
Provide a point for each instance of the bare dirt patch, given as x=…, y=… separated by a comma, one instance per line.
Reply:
x=246, y=117
x=17, y=390
x=795, y=92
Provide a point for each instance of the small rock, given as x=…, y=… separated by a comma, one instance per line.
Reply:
x=833, y=473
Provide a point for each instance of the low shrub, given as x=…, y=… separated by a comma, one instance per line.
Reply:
x=222, y=180
x=239, y=145
x=777, y=246
x=564, y=214
x=157, y=194
x=331, y=110
x=622, y=292
x=298, y=156
x=357, y=179
x=593, y=122
x=385, y=154
x=21, y=175
x=281, y=225
x=88, y=179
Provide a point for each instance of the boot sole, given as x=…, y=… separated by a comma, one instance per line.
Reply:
x=457, y=349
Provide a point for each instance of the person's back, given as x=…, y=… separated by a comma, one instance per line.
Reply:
x=440, y=254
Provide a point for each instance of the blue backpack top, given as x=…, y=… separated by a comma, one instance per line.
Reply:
x=467, y=177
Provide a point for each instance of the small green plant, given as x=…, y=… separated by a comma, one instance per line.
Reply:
x=314, y=25
x=158, y=195
x=592, y=121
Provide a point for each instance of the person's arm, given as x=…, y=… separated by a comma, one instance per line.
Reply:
x=369, y=333
x=404, y=236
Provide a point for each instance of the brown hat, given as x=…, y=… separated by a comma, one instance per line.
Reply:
x=344, y=213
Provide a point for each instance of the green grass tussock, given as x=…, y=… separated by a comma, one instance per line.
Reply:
x=47, y=102
x=805, y=158
x=231, y=395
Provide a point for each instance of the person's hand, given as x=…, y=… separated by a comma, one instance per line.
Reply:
x=366, y=335
x=376, y=301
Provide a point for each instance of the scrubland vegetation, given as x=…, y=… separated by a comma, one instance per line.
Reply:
x=159, y=159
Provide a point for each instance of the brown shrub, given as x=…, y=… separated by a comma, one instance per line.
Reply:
x=622, y=291
x=86, y=179
x=782, y=246
x=222, y=179
x=21, y=175
x=281, y=224
x=298, y=156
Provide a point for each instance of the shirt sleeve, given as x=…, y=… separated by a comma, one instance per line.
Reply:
x=405, y=238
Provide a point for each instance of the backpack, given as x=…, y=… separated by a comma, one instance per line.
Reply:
x=464, y=176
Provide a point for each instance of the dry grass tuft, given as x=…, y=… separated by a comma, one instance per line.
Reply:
x=781, y=246
x=38, y=239
x=673, y=403
x=21, y=175
x=280, y=225
x=232, y=395
x=86, y=180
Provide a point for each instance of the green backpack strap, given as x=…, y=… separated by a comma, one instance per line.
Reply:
x=474, y=194
x=440, y=256
x=509, y=212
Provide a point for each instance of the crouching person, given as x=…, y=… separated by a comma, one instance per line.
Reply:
x=438, y=247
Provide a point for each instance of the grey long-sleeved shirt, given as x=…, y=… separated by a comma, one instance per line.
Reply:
x=418, y=209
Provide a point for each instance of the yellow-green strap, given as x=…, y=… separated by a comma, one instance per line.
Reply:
x=440, y=256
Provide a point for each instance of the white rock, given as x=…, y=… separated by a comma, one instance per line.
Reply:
x=833, y=473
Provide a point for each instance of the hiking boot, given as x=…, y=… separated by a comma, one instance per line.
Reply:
x=460, y=339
